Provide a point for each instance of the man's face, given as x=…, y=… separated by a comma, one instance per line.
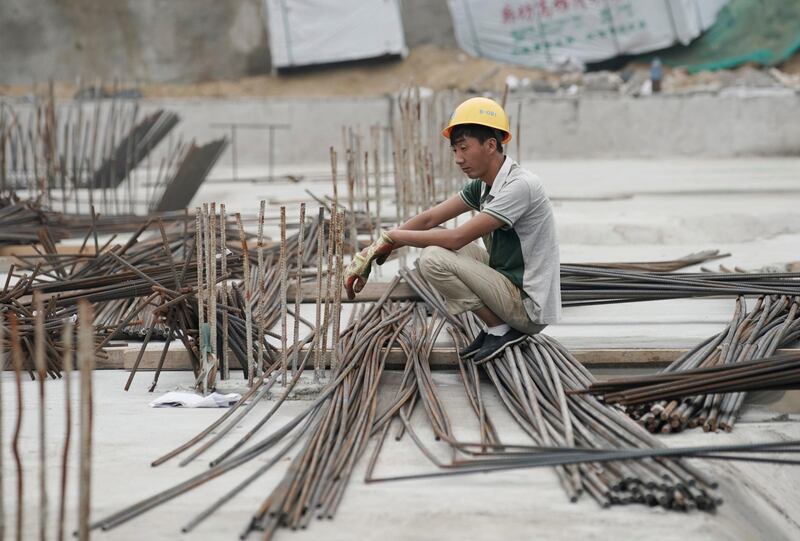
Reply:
x=474, y=157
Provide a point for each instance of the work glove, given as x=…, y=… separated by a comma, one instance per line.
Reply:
x=357, y=273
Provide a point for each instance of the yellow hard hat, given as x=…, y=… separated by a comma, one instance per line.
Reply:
x=483, y=111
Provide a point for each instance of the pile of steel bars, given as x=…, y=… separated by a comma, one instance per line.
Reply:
x=155, y=286
x=25, y=221
x=583, y=285
x=773, y=323
x=21, y=222
x=778, y=372
x=533, y=380
x=594, y=447
x=659, y=266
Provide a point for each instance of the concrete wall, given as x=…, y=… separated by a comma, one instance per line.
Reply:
x=589, y=127
x=159, y=40
x=694, y=126
x=154, y=40
x=701, y=125
x=427, y=22
x=316, y=124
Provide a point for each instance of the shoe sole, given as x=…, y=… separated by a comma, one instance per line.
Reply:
x=500, y=350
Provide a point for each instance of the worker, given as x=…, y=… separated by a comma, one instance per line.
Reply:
x=512, y=285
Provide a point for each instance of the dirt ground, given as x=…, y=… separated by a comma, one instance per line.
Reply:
x=428, y=66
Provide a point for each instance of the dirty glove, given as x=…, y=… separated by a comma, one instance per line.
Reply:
x=381, y=248
x=357, y=273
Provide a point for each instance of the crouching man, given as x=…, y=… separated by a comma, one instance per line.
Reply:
x=513, y=285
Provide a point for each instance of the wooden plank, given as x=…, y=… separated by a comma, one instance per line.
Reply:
x=122, y=358
x=371, y=293
x=441, y=358
x=27, y=249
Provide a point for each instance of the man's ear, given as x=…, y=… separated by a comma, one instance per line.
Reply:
x=491, y=143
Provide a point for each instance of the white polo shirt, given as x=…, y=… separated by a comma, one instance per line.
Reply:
x=525, y=248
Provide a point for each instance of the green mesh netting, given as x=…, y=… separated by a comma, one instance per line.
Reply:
x=765, y=32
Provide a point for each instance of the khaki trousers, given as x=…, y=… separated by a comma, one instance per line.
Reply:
x=467, y=282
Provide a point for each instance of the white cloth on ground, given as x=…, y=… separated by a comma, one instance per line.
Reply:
x=183, y=399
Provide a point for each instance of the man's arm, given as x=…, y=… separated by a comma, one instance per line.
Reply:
x=452, y=239
x=437, y=215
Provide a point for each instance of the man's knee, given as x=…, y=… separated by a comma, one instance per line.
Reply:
x=432, y=259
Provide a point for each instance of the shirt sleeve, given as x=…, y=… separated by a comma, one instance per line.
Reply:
x=511, y=201
x=471, y=194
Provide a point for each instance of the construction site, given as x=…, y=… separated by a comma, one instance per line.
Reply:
x=239, y=295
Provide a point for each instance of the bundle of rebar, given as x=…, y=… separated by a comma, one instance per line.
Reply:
x=533, y=379
x=772, y=324
x=21, y=222
x=155, y=286
x=658, y=266
x=584, y=285
x=778, y=372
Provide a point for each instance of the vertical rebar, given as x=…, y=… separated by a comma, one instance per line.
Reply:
x=298, y=292
x=212, y=292
x=337, y=315
x=352, y=159
x=41, y=374
x=370, y=225
x=206, y=293
x=334, y=181
x=260, y=276
x=86, y=363
x=284, y=310
x=328, y=283
x=398, y=189
x=198, y=236
x=223, y=240
x=376, y=166
x=248, y=304
x=66, y=339
x=317, y=322
x=16, y=356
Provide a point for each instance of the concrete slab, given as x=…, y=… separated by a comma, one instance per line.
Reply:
x=511, y=505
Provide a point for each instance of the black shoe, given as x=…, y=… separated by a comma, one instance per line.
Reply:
x=494, y=345
x=473, y=348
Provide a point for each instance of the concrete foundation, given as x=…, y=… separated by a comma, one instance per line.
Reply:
x=525, y=504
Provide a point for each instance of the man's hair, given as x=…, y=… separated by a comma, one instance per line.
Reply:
x=479, y=132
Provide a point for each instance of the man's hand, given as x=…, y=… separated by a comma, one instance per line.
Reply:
x=356, y=275
x=383, y=246
x=358, y=270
